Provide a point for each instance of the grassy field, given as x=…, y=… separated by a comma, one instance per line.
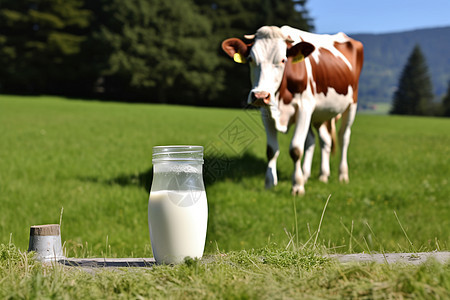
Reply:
x=91, y=163
x=87, y=165
x=255, y=274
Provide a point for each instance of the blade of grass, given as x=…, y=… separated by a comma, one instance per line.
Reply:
x=295, y=222
x=321, y=219
x=60, y=216
x=350, y=246
x=290, y=236
x=367, y=245
x=404, y=232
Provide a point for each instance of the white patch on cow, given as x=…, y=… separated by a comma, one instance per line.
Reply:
x=272, y=142
x=276, y=116
x=326, y=143
x=287, y=114
x=266, y=67
x=344, y=137
x=310, y=78
x=325, y=41
x=283, y=115
x=331, y=105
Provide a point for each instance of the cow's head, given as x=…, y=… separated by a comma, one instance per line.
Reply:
x=267, y=56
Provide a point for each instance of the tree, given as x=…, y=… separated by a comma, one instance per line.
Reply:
x=239, y=17
x=446, y=102
x=159, y=50
x=414, y=94
x=40, y=40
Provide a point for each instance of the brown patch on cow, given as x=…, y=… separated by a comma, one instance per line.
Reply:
x=353, y=51
x=331, y=71
x=294, y=80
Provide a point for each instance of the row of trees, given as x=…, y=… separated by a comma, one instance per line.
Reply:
x=414, y=95
x=146, y=50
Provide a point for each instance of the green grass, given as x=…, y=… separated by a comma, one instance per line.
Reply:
x=93, y=161
x=88, y=164
x=267, y=273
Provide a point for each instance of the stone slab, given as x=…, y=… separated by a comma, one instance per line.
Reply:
x=108, y=262
x=390, y=258
x=387, y=258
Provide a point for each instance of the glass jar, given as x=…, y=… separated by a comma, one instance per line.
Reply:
x=177, y=208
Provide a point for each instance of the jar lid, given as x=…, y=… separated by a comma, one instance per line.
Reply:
x=178, y=153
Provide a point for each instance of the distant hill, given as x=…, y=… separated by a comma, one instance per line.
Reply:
x=385, y=55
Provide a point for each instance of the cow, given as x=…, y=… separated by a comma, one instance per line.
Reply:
x=304, y=79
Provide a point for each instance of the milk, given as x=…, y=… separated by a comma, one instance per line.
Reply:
x=177, y=223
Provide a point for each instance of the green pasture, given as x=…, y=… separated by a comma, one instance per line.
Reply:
x=87, y=164
x=265, y=273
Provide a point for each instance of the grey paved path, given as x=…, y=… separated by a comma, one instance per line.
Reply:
x=108, y=262
x=408, y=258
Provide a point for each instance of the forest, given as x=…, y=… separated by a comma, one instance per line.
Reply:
x=136, y=50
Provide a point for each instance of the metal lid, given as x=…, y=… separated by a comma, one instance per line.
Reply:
x=179, y=153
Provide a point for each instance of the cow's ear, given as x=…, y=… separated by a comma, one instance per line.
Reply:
x=236, y=49
x=299, y=51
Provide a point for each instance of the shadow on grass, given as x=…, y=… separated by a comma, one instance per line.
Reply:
x=216, y=169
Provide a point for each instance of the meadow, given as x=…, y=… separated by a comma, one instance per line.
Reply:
x=87, y=166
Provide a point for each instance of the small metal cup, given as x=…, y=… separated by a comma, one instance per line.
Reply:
x=45, y=240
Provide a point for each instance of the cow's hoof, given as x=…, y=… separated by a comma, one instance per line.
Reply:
x=269, y=184
x=343, y=178
x=271, y=178
x=323, y=178
x=298, y=190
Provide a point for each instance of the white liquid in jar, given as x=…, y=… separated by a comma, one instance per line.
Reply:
x=177, y=223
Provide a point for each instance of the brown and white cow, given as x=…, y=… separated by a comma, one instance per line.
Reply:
x=303, y=79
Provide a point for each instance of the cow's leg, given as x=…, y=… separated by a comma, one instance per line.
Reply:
x=303, y=123
x=272, y=150
x=344, y=140
x=309, y=153
x=325, y=146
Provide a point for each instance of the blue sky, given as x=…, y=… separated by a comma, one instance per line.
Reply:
x=377, y=16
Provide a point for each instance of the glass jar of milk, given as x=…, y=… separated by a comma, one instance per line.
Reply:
x=177, y=208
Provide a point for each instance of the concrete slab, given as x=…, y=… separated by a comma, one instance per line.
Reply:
x=387, y=258
x=390, y=258
x=108, y=262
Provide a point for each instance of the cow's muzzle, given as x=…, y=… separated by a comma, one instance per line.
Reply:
x=260, y=98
